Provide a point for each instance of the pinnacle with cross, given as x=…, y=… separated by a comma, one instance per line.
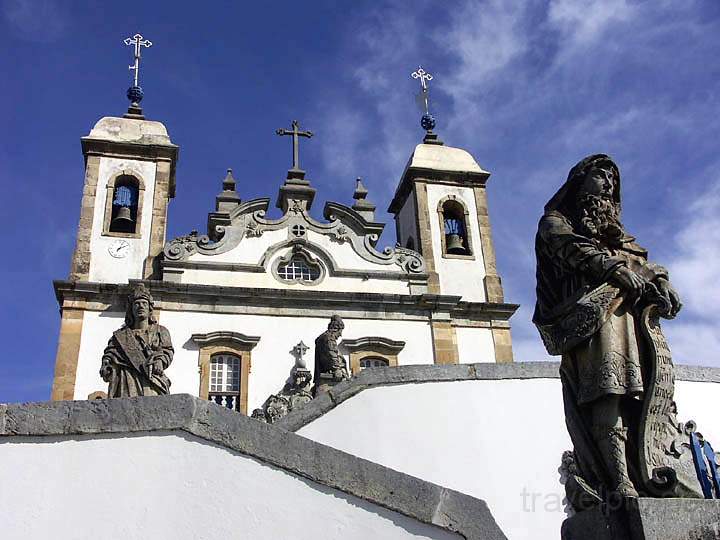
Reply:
x=135, y=92
x=423, y=100
x=296, y=134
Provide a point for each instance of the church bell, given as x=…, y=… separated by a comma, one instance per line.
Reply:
x=455, y=244
x=123, y=220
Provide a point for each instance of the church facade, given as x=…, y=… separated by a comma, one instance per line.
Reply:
x=241, y=300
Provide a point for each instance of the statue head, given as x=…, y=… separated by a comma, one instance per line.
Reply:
x=591, y=198
x=140, y=306
x=336, y=325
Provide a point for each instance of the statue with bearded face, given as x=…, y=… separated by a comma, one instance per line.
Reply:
x=599, y=300
x=330, y=366
x=137, y=355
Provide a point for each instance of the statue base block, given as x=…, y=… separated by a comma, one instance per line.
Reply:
x=648, y=519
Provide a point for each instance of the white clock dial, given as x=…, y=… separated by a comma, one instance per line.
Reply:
x=119, y=249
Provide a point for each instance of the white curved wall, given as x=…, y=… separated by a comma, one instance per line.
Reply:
x=500, y=441
x=180, y=487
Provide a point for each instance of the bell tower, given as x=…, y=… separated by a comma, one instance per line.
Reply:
x=441, y=210
x=129, y=181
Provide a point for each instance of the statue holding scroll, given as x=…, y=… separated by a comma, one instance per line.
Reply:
x=137, y=355
x=599, y=300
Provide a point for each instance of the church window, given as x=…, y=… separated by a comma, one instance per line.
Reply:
x=225, y=380
x=373, y=361
x=124, y=205
x=454, y=232
x=298, y=268
x=410, y=244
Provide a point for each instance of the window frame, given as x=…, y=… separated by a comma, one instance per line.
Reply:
x=110, y=197
x=465, y=215
x=309, y=260
x=225, y=343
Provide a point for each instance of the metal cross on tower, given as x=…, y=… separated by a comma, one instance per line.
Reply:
x=425, y=78
x=137, y=41
x=296, y=134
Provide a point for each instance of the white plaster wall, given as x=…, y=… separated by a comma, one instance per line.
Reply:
x=500, y=441
x=170, y=486
x=457, y=276
x=103, y=267
x=266, y=280
x=97, y=329
x=249, y=251
x=271, y=358
x=475, y=344
x=407, y=221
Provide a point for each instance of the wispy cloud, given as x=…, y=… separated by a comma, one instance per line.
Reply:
x=531, y=87
x=40, y=21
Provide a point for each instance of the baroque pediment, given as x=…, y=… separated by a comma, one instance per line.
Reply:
x=344, y=226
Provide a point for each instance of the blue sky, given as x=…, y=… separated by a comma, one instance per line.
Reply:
x=527, y=87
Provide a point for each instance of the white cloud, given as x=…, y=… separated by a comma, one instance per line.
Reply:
x=584, y=21
x=531, y=87
x=36, y=20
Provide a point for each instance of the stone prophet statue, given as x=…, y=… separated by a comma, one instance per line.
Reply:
x=599, y=301
x=137, y=355
x=293, y=395
x=330, y=366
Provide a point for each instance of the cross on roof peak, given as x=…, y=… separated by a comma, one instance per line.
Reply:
x=296, y=134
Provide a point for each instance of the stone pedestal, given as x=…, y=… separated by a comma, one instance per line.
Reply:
x=648, y=519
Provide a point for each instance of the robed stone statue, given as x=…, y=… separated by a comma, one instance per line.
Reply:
x=137, y=355
x=330, y=366
x=599, y=300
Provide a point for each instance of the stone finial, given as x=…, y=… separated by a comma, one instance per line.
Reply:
x=228, y=197
x=362, y=206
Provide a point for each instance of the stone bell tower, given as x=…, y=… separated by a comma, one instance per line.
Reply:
x=440, y=208
x=129, y=180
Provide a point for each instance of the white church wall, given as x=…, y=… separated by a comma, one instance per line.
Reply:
x=475, y=344
x=97, y=329
x=265, y=280
x=249, y=251
x=271, y=358
x=103, y=267
x=457, y=276
x=214, y=493
x=500, y=441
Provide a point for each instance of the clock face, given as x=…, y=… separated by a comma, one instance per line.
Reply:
x=119, y=249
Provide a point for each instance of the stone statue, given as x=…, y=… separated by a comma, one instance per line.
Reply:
x=599, y=301
x=293, y=395
x=137, y=355
x=330, y=366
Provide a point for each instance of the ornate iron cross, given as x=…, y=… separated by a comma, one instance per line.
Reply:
x=425, y=78
x=296, y=134
x=137, y=41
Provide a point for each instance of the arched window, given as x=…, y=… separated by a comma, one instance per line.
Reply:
x=373, y=361
x=299, y=269
x=410, y=244
x=125, y=198
x=225, y=380
x=455, y=236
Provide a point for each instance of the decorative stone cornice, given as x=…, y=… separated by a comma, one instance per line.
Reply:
x=188, y=294
x=224, y=336
x=345, y=225
x=388, y=346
